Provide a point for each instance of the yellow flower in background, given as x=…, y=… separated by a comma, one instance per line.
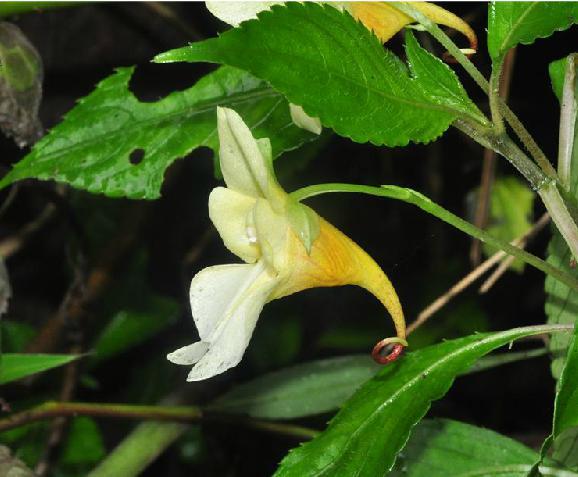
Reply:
x=380, y=17
x=287, y=248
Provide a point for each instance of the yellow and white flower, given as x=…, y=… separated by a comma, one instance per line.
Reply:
x=380, y=17
x=286, y=248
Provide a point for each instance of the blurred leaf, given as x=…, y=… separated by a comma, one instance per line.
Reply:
x=112, y=143
x=83, y=444
x=305, y=52
x=12, y=467
x=561, y=301
x=21, y=75
x=512, y=23
x=511, y=207
x=15, y=335
x=133, y=326
x=15, y=366
x=442, y=448
x=462, y=318
x=16, y=8
x=366, y=435
x=275, y=343
x=302, y=390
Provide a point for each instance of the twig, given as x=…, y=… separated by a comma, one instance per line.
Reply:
x=507, y=262
x=471, y=277
x=168, y=14
x=489, y=166
x=9, y=199
x=10, y=245
x=151, y=413
x=61, y=409
x=96, y=282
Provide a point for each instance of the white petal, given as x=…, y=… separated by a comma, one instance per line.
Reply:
x=189, y=354
x=230, y=212
x=214, y=293
x=232, y=316
x=244, y=166
x=303, y=120
x=234, y=13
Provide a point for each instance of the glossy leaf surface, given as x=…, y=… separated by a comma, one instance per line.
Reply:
x=337, y=70
x=365, y=436
x=112, y=143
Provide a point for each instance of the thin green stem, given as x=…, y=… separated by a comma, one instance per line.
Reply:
x=59, y=409
x=424, y=203
x=494, y=97
x=568, y=110
x=139, y=449
x=503, y=110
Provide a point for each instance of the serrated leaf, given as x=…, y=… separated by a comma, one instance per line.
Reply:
x=512, y=23
x=299, y=391
x=511, y=207
x=372, y=427
x=14, y=366
x=93, y=147
x=337, y=70
x=442, y=448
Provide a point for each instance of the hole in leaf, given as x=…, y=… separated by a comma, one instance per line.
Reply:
x=136, y=156
x=152, y=82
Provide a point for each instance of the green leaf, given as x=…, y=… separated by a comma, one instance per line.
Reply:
x=300, y=390
x=14, y=366
x=17, y=8
x=511, y=207
x=92, y=148
x=15, y=335
x=512, y=23
x=365, y=436
x=84, y=444
x=565, y=426
x=442, y=448
x=132, y=326
x=337, y=70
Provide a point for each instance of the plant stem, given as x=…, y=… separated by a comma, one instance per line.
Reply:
x=59, y=409
x=494, y=97
x=560, y=215
x=524, y=136
x=568, y=111
x=139, y=449
x=421, y=201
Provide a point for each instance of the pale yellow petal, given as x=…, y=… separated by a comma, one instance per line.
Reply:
x=301, y=119
x=245, y=165
x=231, y=212
x=235, y=13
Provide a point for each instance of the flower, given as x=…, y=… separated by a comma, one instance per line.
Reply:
x=380, y=17
x=286, y=248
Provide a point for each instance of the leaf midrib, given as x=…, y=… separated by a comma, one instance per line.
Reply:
x=514, y=27
x=514, y=335
x=205, y=107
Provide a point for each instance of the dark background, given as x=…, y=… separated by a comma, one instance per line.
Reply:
x=80, y=46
